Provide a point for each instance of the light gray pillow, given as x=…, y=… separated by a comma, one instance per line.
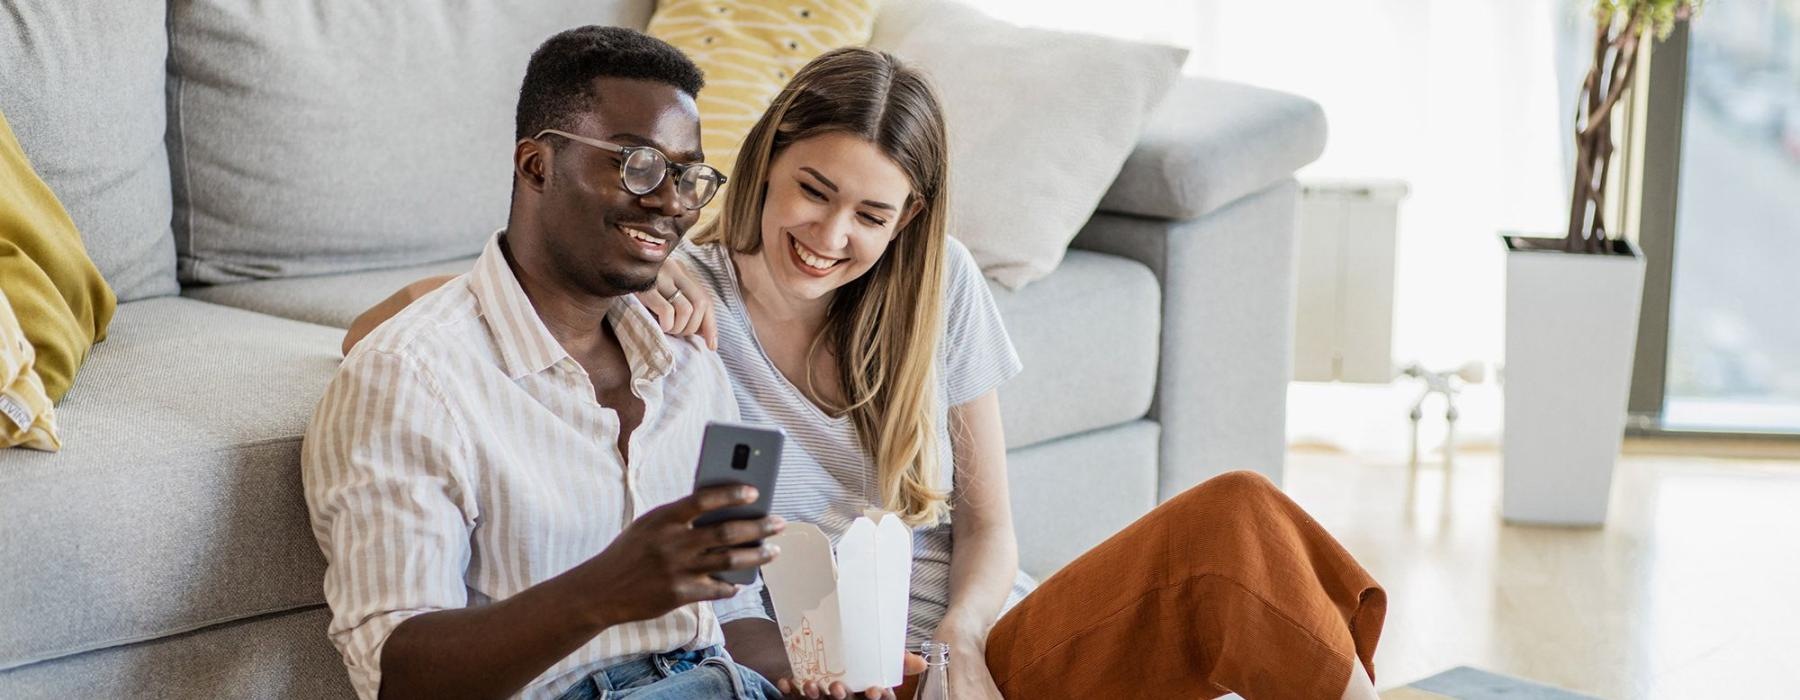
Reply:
x=1040, y=123
x=81, y=83
x=313, y=137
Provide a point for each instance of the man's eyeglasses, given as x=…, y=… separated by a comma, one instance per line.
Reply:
x=642, y=170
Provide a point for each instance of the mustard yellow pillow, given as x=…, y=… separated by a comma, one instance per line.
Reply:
x=749, y=49
x=26, y=417
x=60, y=302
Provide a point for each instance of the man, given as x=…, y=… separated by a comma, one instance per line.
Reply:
x=499, y=475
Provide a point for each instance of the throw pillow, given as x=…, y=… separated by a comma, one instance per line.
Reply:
x=1040, y=123
x=58, y=297
x=749, y=49
x=26, y=418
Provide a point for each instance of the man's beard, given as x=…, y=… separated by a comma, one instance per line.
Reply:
x=628, y=284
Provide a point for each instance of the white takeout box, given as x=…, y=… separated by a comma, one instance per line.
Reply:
x=844, y=619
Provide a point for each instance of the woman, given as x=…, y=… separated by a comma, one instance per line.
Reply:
x=846, y=315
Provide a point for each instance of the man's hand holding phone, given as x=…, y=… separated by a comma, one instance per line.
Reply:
x=663, y=560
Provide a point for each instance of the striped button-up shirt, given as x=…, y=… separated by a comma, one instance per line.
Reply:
x=459, y=457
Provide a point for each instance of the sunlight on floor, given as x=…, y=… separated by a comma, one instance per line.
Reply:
x=1688, y=592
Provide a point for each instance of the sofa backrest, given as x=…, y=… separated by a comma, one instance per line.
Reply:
x=275, y=138
x=81, y=83
x=320, y=136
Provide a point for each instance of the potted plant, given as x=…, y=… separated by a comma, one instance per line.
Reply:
x=1572, y=306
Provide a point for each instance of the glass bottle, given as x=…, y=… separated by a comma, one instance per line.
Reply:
x=935, y=683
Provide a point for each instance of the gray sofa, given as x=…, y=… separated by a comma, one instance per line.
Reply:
x=165, y=552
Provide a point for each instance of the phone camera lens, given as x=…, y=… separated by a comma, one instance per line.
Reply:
x=740, y=457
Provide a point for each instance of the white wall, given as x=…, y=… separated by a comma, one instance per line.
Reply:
x=1459, y=98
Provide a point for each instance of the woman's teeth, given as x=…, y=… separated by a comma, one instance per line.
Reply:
x=813, y=261
x=645, y=237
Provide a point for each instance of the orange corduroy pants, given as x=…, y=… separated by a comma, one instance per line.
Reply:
x=1228, y=587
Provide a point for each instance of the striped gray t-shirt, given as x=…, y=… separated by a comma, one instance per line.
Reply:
x=827, y=478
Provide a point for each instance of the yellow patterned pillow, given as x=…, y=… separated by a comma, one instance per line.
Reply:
x=57, y=295
x=749, y=49
x=26, y=418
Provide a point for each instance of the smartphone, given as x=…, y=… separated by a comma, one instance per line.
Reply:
x=732, y=453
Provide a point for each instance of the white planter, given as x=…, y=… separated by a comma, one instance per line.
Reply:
x=1571, y=329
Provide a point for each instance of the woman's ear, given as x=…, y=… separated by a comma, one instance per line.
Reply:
x=914, y=205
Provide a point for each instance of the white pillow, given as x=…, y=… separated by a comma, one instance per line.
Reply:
x=1040, y=123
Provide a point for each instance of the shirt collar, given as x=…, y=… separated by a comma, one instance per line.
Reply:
x=647, y=348
x=525, y=343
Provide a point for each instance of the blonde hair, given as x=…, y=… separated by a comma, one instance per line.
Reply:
x=883, y=327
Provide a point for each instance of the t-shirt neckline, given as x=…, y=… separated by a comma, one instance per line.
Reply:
x=738, y=308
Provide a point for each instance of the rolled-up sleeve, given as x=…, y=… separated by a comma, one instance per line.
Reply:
x=383, y=467
x=747, y=604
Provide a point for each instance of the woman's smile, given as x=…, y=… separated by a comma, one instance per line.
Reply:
x=809, y=261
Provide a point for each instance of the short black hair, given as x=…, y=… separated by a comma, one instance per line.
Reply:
x=559, y=80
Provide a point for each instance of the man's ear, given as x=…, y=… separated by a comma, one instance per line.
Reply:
x=531, y=163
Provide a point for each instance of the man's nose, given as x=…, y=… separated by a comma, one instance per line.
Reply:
x=663, y=199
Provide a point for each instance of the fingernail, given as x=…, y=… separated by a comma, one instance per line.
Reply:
x=774, y=550
x=747, y=493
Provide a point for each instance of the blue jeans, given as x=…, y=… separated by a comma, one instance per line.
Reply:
x=702, y=674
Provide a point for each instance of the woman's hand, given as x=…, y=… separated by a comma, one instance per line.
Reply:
x=368, y=320
x=969, y=676
x=680, y=304
x=985, y=562
x=914, y=664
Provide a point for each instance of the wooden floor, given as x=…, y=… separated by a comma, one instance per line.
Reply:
x=1692, y=590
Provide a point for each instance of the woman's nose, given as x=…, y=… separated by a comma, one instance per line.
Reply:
x=838, y=228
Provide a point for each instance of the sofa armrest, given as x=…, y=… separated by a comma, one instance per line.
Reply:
x=1211, y=143
x=1227, y=331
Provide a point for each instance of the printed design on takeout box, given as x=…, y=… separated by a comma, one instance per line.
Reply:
x=806, y=653
x=842, y=614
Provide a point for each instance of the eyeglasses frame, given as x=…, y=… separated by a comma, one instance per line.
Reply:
x=625, y=155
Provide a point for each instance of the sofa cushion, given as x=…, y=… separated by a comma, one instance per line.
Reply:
x=315, y=137
x=284, y=655
x=82, y=85
x=175, y=502
x=1211, y=143
x=1088, y=336
x=328, y=300
x=1071, y=494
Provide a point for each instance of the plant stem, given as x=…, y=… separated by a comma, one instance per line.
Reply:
x=1606, y=84
x=1584, y=142
x=1597, y=237
x=1623, y=71
x=1619, y=80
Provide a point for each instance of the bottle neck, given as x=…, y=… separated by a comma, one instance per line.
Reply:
x=937, y=654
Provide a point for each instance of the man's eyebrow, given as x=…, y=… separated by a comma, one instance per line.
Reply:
x=632, y=139
x=822, y=179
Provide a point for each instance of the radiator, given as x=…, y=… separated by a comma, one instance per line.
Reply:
x=1344, y=316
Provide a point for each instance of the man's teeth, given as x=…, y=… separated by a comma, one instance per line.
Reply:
x=645, y=237
x=813, y=261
